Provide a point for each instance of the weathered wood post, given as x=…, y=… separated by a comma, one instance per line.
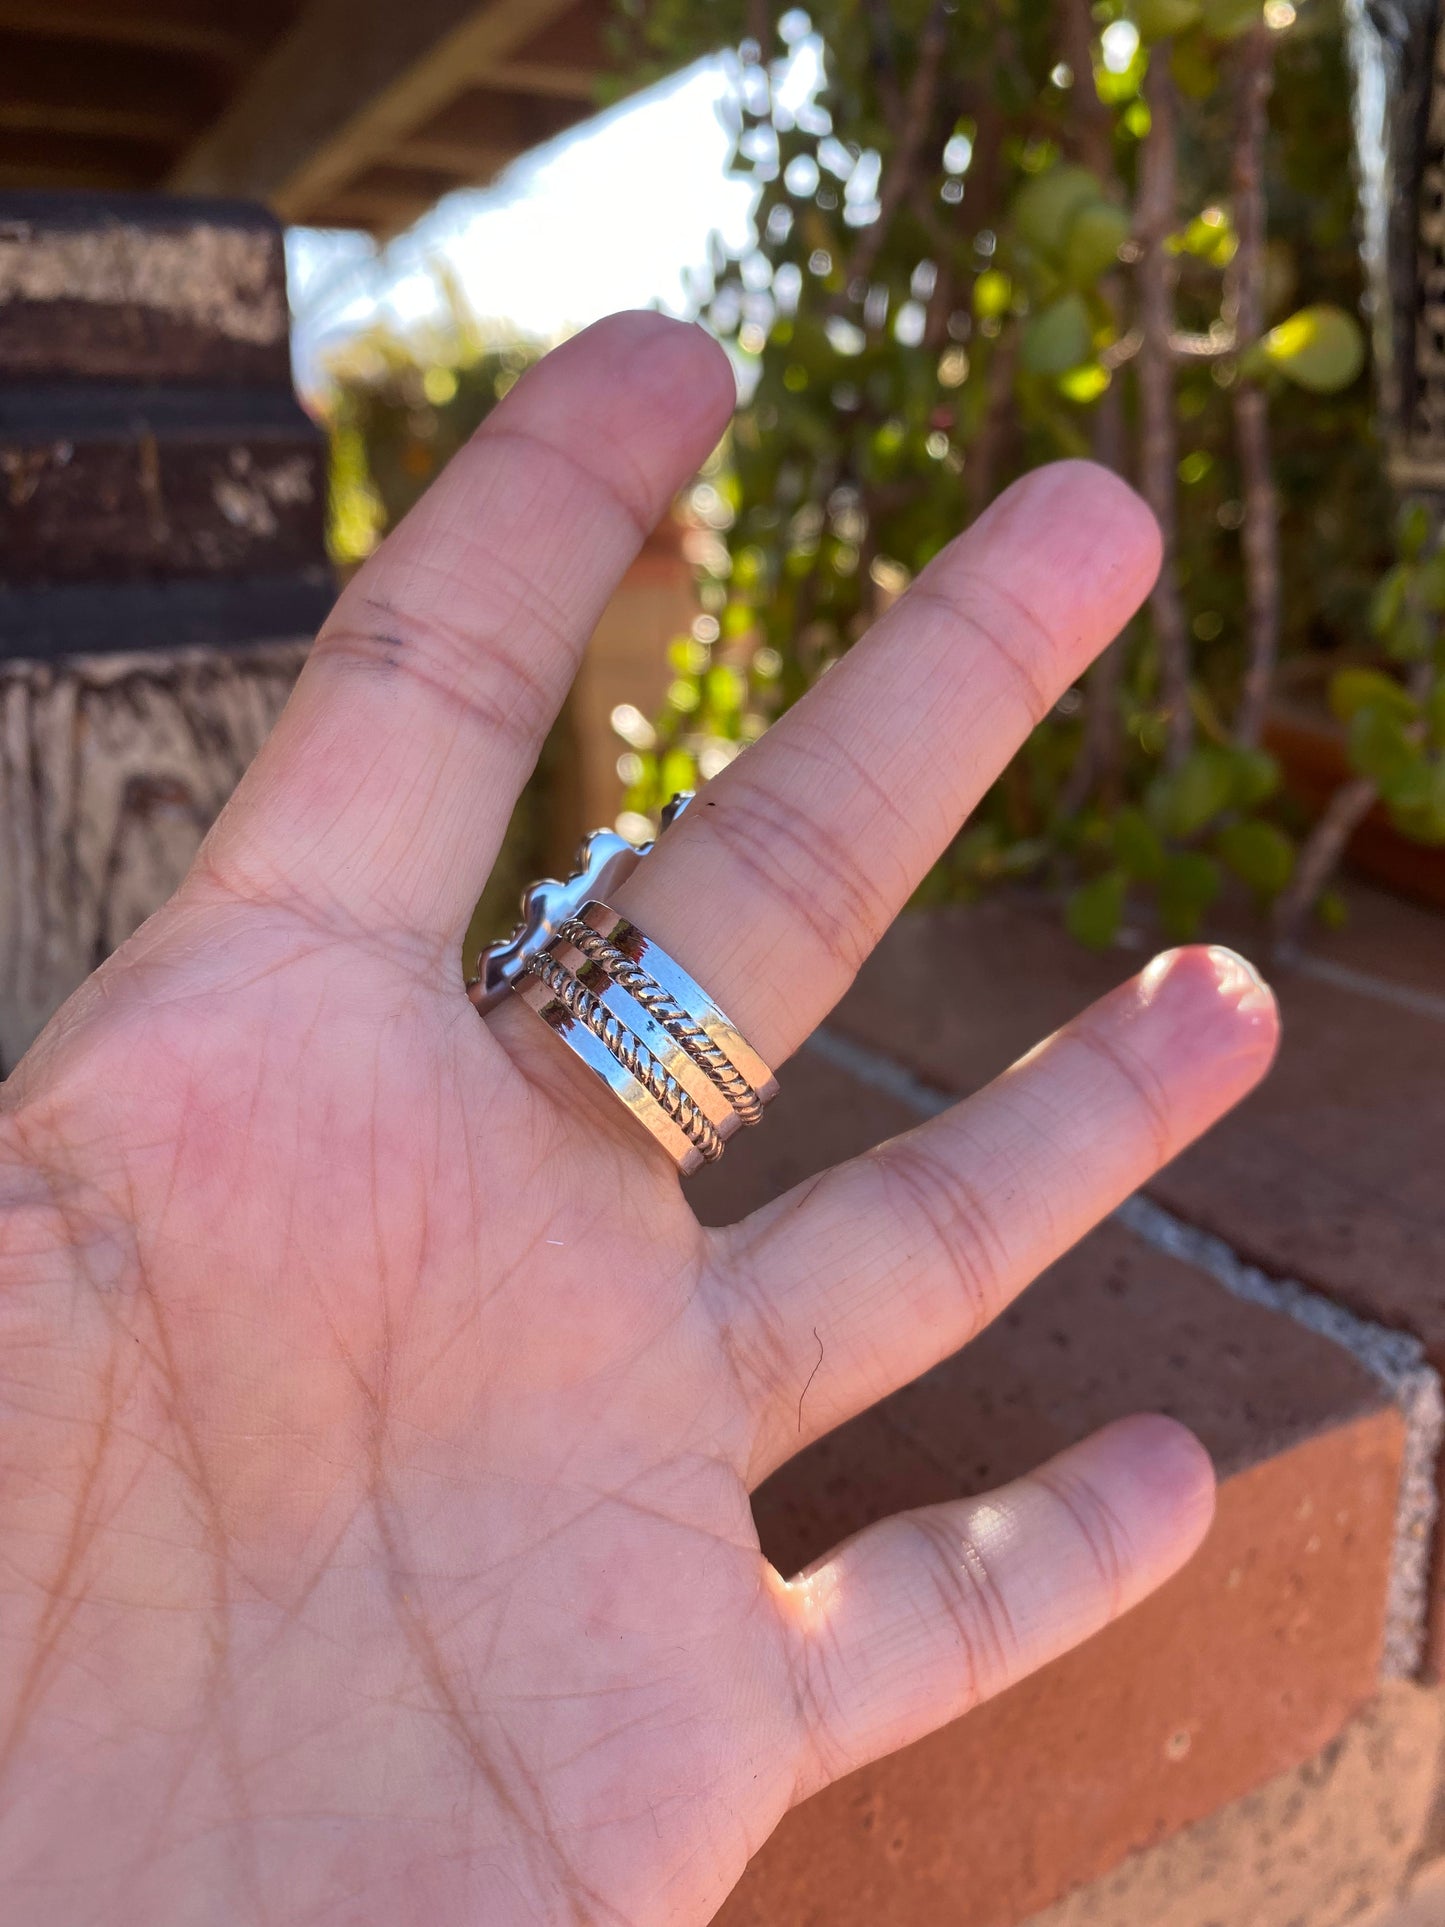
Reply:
x=162, y=561
x=1397, y=50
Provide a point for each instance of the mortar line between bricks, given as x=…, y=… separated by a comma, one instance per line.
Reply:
x=1393, y=1358
x=1364, y=983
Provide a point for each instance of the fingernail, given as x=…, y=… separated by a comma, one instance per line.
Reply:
x=1237, y=975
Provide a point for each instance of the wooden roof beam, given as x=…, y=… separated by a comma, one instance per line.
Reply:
x=348, y=82
x=476, y=135
x=564, y=59
x=65, y=160
x=52, y=87
x=550, y=79
x=179, y=26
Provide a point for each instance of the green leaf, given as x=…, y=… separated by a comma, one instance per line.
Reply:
x=1210, y=237
x=1410, y=786
x=1259, y=854
x=1379, y=746
x=1321, y=349
x=992, y=294
x=1189, y=885
x=1430, y=577
x=1162, y=19
x=678, y=772
x=1412, y=531
x=1332, y=910
x=1058, y=338
x=1137, y=846
x=1085, y=383
x=1256, y=777
x=1091, y=247
x=1412, y=635
x=1387, y=600
x=1183, y=802
x=1044, y=207
x=1228, y=19
x=1352, y=690
x=724, y=689
x=1095, y=910
x=1435, y=712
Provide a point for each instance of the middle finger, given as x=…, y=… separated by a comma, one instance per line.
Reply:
x=777, y=883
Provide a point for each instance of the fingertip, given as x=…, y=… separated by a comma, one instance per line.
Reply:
x=676, y=359
x=1089, y=488
x=1220, y=1000
x=721, y=373
x=1086, y=546
x=638, y=400
x=1161, y=1482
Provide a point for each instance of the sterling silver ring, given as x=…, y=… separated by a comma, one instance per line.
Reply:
x=669, y=1054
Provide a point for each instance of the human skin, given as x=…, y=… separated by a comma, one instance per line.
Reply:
x=377, y=1424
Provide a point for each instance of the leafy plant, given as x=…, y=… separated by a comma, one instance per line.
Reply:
x=1001, y=233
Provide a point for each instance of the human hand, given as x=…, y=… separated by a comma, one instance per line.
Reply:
x=377, y=1423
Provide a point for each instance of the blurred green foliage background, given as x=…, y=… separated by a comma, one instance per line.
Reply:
x=1003, y=233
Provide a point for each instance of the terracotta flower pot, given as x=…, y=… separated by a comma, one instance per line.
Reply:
x=1311, y=751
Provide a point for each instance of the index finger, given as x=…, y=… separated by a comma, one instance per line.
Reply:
x=382, y=796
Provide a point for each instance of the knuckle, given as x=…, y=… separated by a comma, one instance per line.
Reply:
x=962, y=1238
x=1144, y=1087
x=1020, y=644
x=1099, y=1530
x=477, y=671
x=967, y=1597
x=804, y=864
x=755, y=1342
x=627, y=487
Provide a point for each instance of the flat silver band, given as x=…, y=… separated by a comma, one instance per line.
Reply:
x=685, y=994
x=644, y=1056
x=647, y=991
x=558, y=1013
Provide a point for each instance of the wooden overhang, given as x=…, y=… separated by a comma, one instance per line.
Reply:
x=336, y=113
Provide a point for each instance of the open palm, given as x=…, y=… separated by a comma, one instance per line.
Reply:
x=377, y=1423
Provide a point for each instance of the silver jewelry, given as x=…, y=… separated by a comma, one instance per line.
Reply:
x=604, y=860
x=663, y=987
x=629, y=1051
x=627, y=1009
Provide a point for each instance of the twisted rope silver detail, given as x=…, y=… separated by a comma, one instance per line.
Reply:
x=629, y=1051
x=668, y=1012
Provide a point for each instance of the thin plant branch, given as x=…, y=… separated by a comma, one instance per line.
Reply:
x=1244, y=317
x=1098, y=760
x=986, y=458
x=916, y=115
x=1319, y=859
x=1218, y=344
x=883, y=60
x=1326, y=843
x=1158, y=431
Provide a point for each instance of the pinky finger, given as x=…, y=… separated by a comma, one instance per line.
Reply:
x=919, y=1618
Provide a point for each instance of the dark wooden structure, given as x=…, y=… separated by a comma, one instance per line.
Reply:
x=162, y=493
x=160, y=485
x=350, y=113
x=1398, y=53
x=162, y=558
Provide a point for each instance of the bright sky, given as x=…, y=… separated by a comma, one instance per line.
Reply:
x=617, y=214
